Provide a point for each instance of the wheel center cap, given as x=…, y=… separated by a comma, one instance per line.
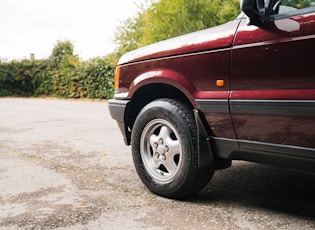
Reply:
x=160, y=149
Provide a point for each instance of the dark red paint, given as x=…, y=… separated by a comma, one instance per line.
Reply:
x=273, y=62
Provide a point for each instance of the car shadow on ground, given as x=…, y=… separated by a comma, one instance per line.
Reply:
x=264, y=187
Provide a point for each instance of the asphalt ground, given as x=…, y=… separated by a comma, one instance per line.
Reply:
x=63, y=165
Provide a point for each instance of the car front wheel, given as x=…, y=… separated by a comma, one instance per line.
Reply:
x=164, y=147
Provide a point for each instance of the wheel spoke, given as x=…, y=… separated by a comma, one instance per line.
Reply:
x=153, y=139
x=156, y=162
x=165, y=132
x=170, y=165
x=173, y=148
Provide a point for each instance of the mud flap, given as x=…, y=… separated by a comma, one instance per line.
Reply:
x=205, y=153
x=205, y=158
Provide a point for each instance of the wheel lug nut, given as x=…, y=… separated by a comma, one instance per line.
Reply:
x=155, y=145
x=163, y=157
x=161, y=141
x=157, y=155
x=166, y=149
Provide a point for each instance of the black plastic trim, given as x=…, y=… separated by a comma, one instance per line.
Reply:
x=214, y=105
x=303, y=108
x=293, y=157
x=117, y=110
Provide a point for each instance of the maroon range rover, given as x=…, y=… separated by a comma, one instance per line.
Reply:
x=244, y=90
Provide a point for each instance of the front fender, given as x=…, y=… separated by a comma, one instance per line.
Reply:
x=164, y=76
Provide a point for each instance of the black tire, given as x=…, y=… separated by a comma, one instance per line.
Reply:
x=165, y=149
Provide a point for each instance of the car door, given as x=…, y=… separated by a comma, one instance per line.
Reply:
x=272, y=82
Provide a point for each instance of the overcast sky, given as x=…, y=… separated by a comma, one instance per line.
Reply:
x=34, y=26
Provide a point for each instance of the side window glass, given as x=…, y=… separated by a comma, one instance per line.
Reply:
x=298, y=4
x=285, y=6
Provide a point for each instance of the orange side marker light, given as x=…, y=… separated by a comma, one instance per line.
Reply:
x=220, y=83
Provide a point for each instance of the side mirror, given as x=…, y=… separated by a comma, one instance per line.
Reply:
x=256, y=10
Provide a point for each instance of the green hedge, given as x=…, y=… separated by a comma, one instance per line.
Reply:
x=92, y=79
x=17, y=77
x=71, y=78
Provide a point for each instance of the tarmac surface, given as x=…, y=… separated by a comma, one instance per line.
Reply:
x=63, y=165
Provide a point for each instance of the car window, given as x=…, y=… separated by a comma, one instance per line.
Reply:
x=291, y=6
x=298, y=4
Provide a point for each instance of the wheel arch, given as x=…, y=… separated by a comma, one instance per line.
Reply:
x=148, y=93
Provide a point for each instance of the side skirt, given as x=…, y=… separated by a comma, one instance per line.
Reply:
x=293, y=157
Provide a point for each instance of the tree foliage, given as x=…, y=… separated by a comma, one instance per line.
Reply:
x=61, y=53
x=164, y=19
x=62, y=62
x=92, y=79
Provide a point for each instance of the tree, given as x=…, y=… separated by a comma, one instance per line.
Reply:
x=128, y=36
x=164, y=19
x=62, y=52
x=63, y=62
